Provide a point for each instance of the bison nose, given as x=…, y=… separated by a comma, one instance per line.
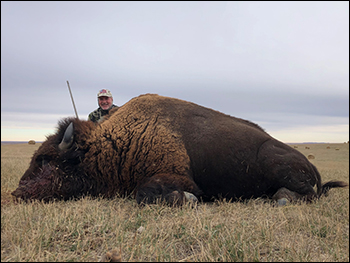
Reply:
x=17, y=193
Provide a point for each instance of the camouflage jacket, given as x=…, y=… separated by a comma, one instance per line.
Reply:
x=97, y=115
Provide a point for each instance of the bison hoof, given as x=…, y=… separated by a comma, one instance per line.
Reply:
x=282, y=201
x=190, y=197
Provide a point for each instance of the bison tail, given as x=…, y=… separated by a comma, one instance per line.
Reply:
x=332, y=184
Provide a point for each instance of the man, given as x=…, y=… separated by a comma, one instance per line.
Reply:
x=105, y=103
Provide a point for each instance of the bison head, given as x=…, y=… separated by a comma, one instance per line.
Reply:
x=56, y=171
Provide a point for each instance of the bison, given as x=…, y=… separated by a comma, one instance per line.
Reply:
x=160, y=148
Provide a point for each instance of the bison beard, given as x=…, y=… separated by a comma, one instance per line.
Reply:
x=48, y=185
x=159, y=148
x=40, y=187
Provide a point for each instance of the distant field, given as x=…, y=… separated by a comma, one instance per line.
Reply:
x=86, y=229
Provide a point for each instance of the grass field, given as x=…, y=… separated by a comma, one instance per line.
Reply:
x=87, y=229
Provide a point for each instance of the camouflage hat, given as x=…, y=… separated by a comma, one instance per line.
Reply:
x=104, y=92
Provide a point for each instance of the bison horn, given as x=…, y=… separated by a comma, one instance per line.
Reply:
x=67, y=138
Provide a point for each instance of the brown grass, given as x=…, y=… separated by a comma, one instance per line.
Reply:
x=88, y=229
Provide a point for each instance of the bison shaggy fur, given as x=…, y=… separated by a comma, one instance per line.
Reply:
x=156, y=147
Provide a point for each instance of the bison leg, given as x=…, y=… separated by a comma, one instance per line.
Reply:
x=173, y=189
x=293, y=196
x=284, y=195
x=289, y=173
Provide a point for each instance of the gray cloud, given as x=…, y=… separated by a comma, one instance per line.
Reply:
x=264, y=61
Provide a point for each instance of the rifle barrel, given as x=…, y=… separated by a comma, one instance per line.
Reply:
x=70, y=92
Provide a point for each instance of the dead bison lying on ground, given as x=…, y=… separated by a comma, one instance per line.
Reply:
x=156, y=147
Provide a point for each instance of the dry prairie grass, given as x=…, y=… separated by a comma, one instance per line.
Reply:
x=255, y=230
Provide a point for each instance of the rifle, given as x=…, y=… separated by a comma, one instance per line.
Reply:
x=70, y=92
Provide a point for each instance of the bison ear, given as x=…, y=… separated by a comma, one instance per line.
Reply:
x=67, y=138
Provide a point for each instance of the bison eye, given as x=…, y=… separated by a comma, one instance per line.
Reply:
x=43, y=160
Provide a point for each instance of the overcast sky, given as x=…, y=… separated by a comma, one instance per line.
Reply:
x=282, y=65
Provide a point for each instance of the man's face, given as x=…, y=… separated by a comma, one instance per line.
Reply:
x=105, y=102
